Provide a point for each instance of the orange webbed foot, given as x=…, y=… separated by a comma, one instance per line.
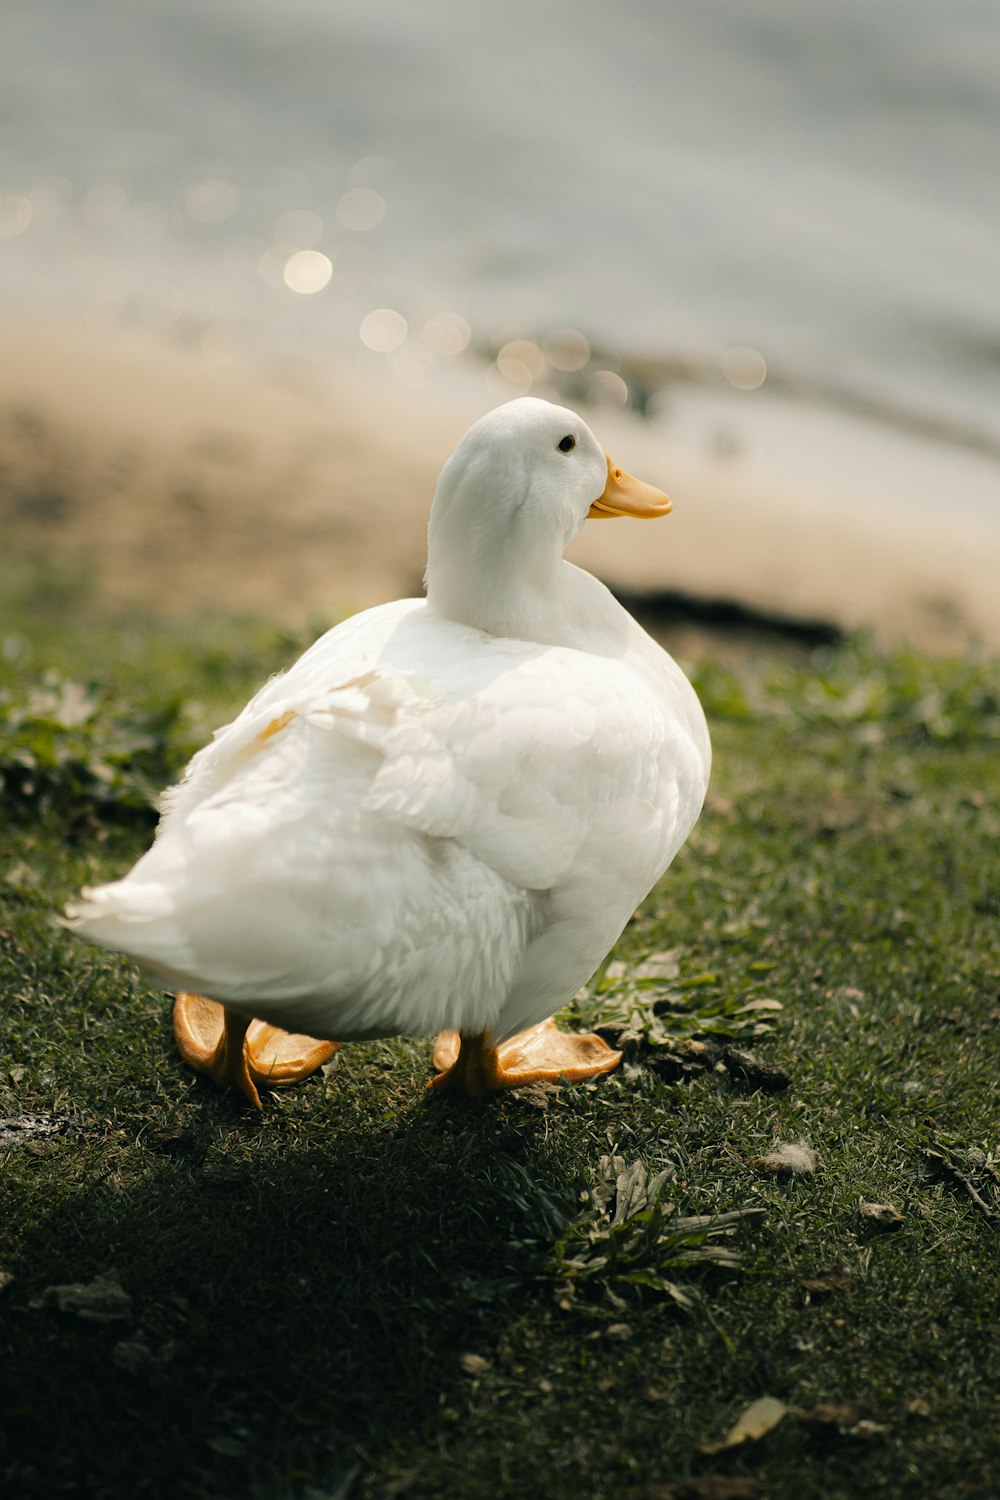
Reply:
x=242, y=1054
x=474, y=1066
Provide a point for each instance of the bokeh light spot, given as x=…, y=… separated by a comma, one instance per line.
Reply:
x=383, y=330
x=447, y=334
x=744, y=367
x=307, y=271
x=522, y=362
x=361, y=209
x=607, y=389
x=566, y=349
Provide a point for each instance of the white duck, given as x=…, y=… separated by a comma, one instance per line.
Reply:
x=443, y=815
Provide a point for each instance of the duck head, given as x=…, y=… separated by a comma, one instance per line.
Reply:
x=515, y=492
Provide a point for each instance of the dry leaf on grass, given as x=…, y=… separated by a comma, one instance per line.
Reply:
x=829, y=1279
x=102, y=1300
x=537, y=1095
x=758, y=1420
x=18, y=1130
x=882, y=1216
x=832, y=1419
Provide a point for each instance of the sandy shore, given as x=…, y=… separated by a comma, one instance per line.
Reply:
x=177, y=483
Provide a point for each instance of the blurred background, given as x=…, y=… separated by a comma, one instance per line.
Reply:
x=261, y=265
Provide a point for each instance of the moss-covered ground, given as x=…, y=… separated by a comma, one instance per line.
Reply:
x=372, y=1291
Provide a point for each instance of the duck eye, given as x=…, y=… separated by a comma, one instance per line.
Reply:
x=567, y=444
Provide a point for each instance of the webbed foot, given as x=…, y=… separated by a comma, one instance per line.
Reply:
x=474, y=1066
x=242, y=1054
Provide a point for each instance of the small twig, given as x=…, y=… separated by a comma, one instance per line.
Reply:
x=950, y=1170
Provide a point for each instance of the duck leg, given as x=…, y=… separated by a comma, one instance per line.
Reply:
x=242, y=1054
x=475, y=1066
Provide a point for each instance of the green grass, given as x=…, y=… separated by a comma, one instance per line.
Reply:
x=372, y=1291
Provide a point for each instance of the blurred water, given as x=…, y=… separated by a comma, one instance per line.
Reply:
x=816, y=182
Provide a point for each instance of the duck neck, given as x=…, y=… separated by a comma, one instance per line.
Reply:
x=559, y=605
x=527, y=611
x=498, y=584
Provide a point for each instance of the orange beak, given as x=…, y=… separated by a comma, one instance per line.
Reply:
x=625, y=496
